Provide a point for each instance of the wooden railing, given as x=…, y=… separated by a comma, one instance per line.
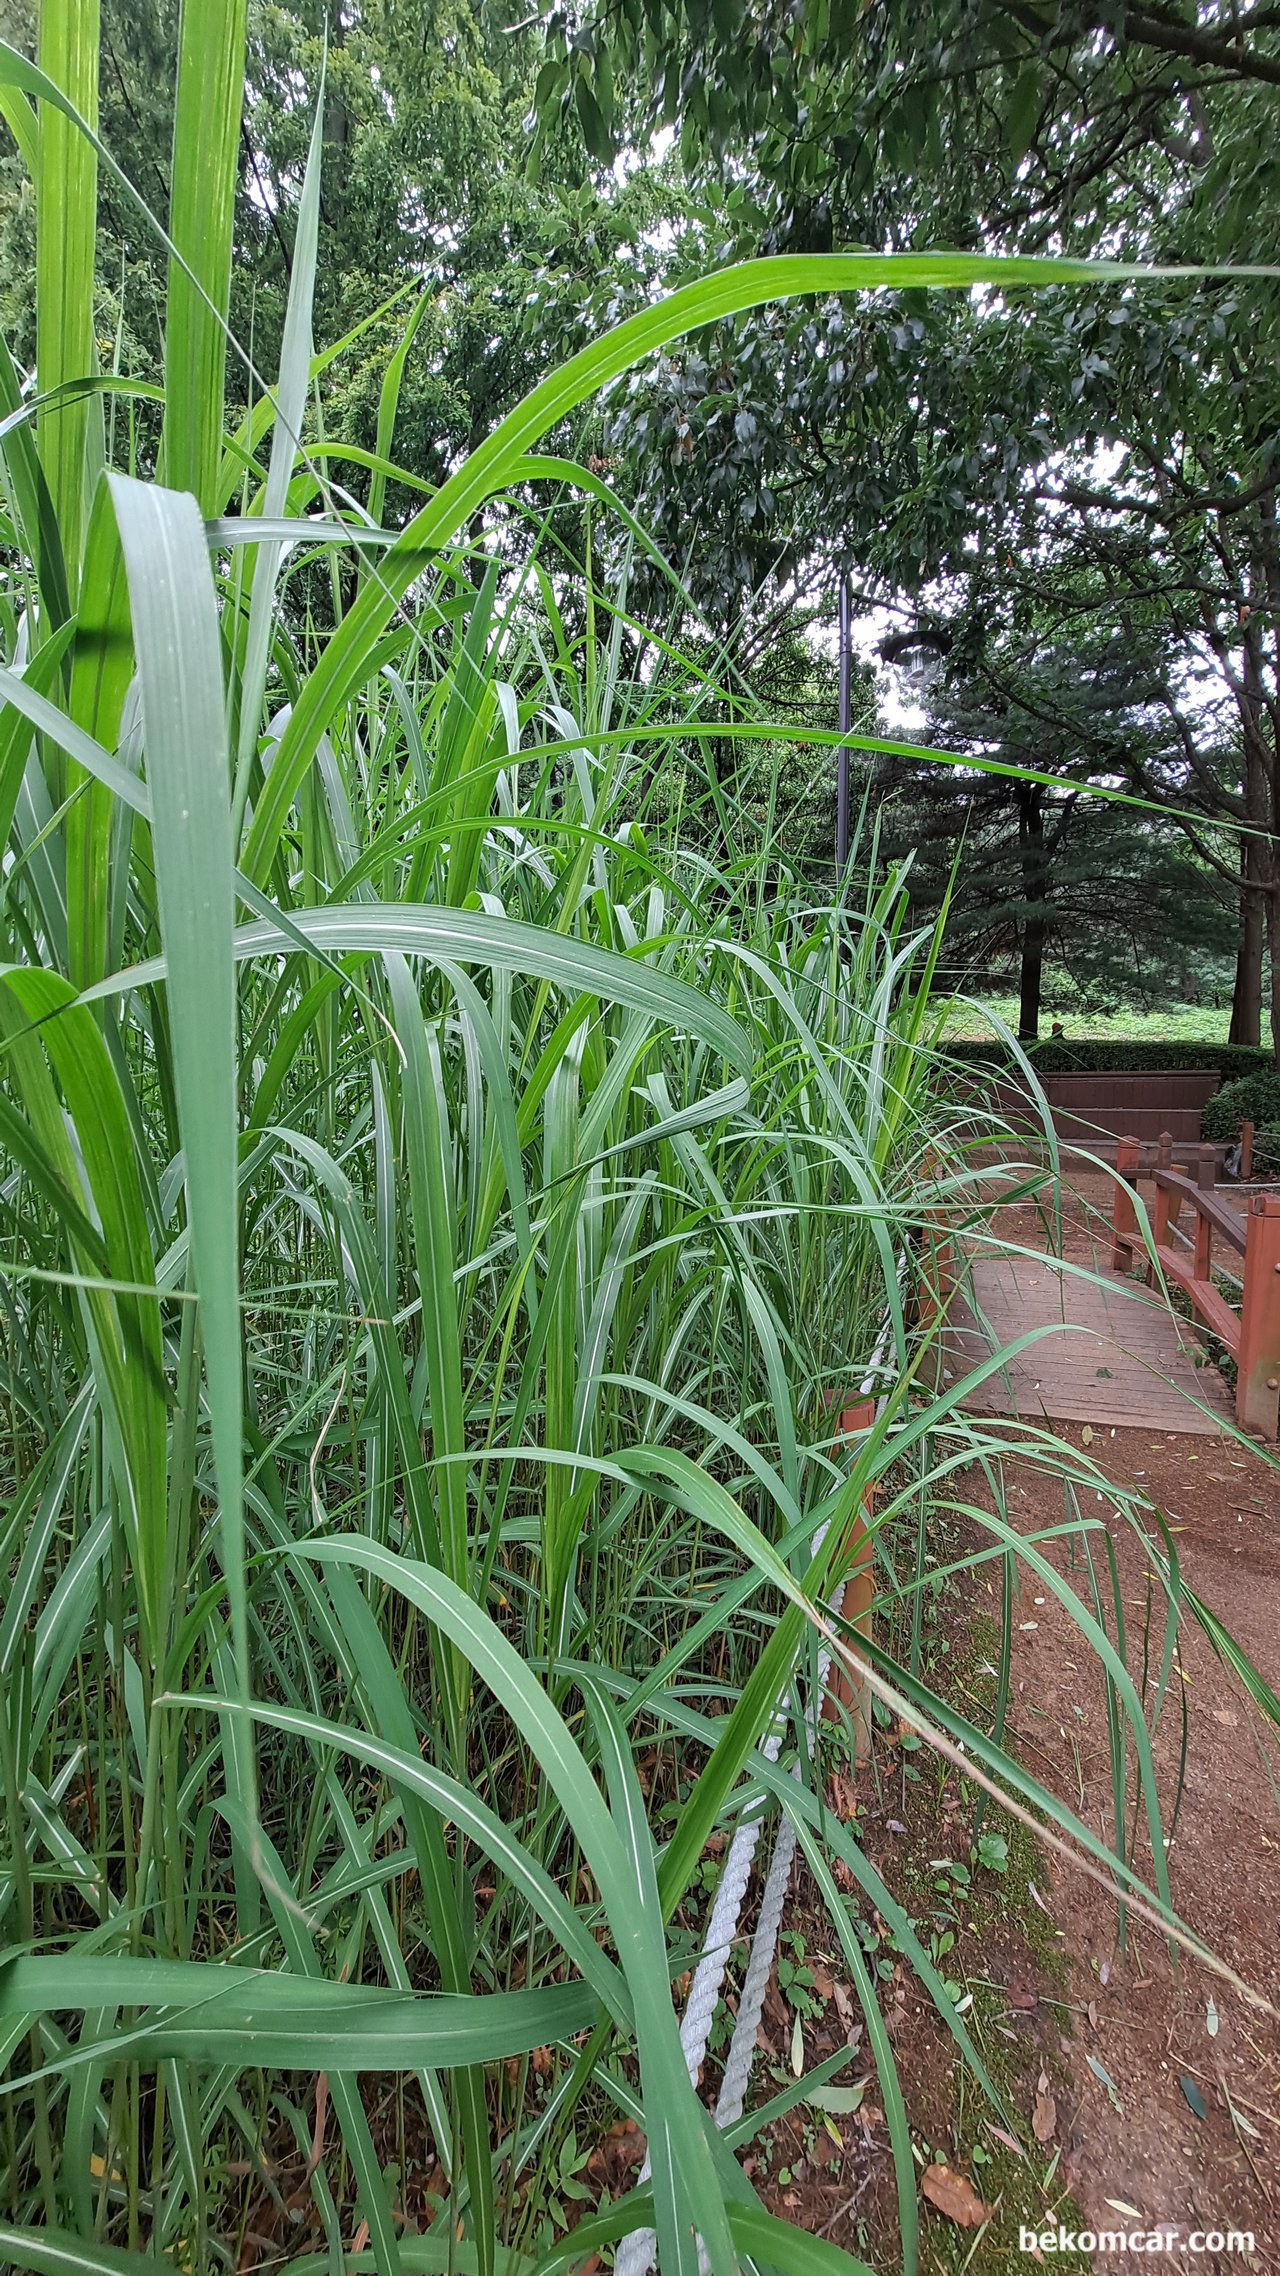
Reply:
x=1252, y=1334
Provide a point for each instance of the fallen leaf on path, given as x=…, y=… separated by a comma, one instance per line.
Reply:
x=1107, y=2081
x=844, y=1797
x=1224, y=1715
x=1044, y=2118
x=1118, y=2205
x=1193, y=2096
x=998, y=2134
x=951, y=2194
x=841, y=2101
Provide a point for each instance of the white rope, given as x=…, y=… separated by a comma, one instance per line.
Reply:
x=635, y=2253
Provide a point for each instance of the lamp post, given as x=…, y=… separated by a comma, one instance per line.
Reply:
x=919, y=654
x=842, y=757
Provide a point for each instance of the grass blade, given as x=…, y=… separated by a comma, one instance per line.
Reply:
x=204, y=174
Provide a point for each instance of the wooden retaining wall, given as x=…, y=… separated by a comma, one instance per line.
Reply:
x=1097, y=1109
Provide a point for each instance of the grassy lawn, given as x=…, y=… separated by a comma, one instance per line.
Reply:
x=1173, y=1023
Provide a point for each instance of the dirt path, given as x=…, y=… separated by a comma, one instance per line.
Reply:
x=1187, y=2131
x=1146, y=2091
x=1153, y=2027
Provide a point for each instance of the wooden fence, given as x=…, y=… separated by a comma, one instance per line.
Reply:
x=1251, y=1334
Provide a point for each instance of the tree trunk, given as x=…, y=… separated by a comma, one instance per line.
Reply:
x=1031, y=978
x=1274, y=957
x=1261, y=720
x=1034, y=895
x=1246, y=1001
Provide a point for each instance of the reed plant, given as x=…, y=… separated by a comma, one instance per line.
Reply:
x=446, y=1185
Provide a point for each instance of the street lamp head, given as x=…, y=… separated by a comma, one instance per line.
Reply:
x=919, y=654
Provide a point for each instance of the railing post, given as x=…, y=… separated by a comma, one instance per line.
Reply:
x=1204, y=1247
x=1124, y=1222
x=1246, y=1152
x=937, y=1260
x=1258, y=1367
x=1166, y=1206
x=942, y=1249
x=1164, y=1150
x=859, y=1596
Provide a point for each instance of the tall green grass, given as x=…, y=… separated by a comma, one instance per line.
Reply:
x=439, y=1209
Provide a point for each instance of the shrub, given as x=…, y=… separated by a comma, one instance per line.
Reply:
x=1254, y=1098
x=1062, y=1056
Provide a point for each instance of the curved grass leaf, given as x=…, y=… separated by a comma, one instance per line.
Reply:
x=473, y=936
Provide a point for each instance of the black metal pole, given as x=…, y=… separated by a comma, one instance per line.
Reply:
x=842, y=759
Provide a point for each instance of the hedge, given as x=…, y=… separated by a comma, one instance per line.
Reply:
x=1254, y=1098
x=1059, y=1055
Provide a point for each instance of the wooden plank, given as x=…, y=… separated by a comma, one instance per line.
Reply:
x=1110, y=1354
x=1213, y=1308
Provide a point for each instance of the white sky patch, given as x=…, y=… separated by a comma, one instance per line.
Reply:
x=898, y=707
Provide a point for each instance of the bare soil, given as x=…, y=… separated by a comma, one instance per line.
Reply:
x=1156, y=2024
x=1155, y=2081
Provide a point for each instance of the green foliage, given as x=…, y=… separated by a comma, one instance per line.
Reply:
x=1251, y=1098
x=1117, y=1054
x=1066, y=468
x=1071, y=892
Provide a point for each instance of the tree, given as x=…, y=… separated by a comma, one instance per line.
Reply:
x=1042, y=876
x=954, y=452
x=428, y=214
x=963, y=123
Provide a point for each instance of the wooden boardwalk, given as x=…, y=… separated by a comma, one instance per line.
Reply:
x=1116, y=1356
